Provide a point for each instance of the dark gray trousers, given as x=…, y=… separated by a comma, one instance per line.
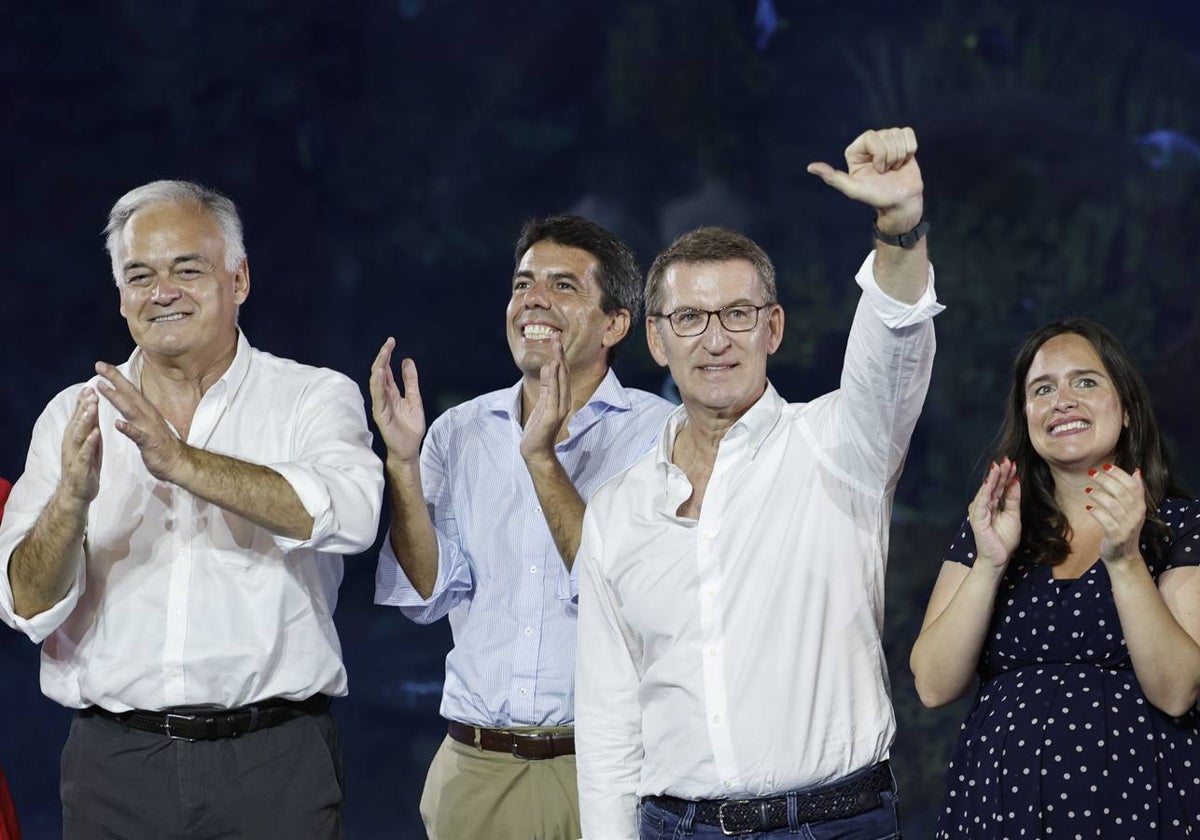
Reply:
x=123, y=784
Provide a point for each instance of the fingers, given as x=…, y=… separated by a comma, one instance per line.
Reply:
x=412, y=385
x=885, y=149
x=1117, y=500
x=120, y=392
x=383, y=359
x=84, y=419
x=840, y=181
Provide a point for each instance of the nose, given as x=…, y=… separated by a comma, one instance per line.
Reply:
x=537, y=296
x=716, y=337
x=164, y=292
x=1065, y=399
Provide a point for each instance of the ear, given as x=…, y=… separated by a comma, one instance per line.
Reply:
x=774, y=328
x=654, y=340
x=241, y=282
x=617, y=329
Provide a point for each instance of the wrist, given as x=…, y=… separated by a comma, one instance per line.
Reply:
x=906, y=240
x=900, y=218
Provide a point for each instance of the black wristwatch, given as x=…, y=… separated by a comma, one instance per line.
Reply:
x=904, y=240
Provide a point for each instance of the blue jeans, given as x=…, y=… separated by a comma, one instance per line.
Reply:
x=879, y=823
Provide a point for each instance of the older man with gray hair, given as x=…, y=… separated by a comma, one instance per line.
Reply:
x=175, y=545
x=732, y=678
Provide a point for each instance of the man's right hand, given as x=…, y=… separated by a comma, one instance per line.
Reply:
x=399, y=416
x=81, y=450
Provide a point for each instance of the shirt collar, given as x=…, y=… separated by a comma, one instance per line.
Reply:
x=609, y=395
x=754, y=425
x=224, y=388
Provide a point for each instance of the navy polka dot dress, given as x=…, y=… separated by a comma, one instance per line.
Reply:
x=1061, y=741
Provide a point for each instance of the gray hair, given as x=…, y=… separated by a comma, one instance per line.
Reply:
x=218, y=206
x=709, y=245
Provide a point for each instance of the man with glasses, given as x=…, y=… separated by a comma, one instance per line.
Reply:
x=486, y=519
x=731, y=677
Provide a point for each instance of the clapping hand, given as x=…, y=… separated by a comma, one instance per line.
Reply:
x=399, y=416
x=995, y=515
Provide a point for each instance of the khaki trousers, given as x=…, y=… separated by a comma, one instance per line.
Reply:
x=472, y=794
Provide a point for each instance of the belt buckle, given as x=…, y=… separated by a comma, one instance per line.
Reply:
x=167, y=726
x=733, y=832
x=518, y=744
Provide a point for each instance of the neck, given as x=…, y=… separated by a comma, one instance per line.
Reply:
x=1068, y=489
x=582, y=384
x=178, y=376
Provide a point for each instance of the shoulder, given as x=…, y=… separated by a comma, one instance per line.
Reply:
x=1181, y=515
x=632, y=487
x=477, y=416
x=277, y=372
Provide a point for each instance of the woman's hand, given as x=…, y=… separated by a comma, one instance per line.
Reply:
x=995, y=515
x=1117, y=500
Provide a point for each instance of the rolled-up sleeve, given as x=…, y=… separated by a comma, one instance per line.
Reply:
x=454, y=578
x=29, y=496
x=335, y=474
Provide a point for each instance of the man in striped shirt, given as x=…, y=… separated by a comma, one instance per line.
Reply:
x=486, y=520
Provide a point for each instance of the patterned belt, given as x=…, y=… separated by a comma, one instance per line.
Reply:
x=192, y=723
x=528, y=745
x=835, y=801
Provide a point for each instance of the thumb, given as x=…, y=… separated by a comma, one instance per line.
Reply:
x=840, y=181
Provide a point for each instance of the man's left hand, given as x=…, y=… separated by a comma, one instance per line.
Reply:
x=881, y=171
x=162, y=450
x=552, y=407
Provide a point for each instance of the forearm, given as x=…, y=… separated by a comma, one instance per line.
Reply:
x=412, y=534
x=254, y=492
x=1166, y=659
x=902, y=273
x=946, y=654
x=42, y=568
x=560, y=502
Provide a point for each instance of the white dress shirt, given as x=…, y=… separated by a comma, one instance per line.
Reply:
x=500, y=577
x=739, y=655
x=179, y=602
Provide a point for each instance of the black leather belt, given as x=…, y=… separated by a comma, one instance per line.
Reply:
x=529, y=745
x=838, y=800
x=192, y=723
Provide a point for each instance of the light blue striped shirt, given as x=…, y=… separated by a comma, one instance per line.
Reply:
x=500, y=577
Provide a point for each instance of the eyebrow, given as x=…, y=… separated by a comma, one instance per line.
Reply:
x=739, y=302
x=130, y=266
x=554, y=275
x=1071, y=374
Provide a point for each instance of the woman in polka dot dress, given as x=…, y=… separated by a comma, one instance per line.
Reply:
x=1073, y=591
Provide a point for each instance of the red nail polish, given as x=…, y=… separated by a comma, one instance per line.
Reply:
x=1091, y=472
x=1087, y=507
x=1087, y=489
x=1107, y=467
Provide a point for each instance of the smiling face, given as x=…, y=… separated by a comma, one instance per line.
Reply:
x=719, y=373
x=555, y=292
x=177, y=296
x=1072, y=409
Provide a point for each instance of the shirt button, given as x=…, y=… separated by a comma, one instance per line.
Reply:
x=711, y=592
x=533, y=570
x=537, y=509
x=727, y=785
x=712, y=651
x=524, y=691
x=716, y=718
x=528, y=631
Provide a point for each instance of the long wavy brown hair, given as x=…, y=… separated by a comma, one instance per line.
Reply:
x=1045, y=532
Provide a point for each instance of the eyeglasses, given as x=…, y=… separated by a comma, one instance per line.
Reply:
x=687, y=323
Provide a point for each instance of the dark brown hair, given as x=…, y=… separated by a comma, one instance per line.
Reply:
x=1045, y=533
